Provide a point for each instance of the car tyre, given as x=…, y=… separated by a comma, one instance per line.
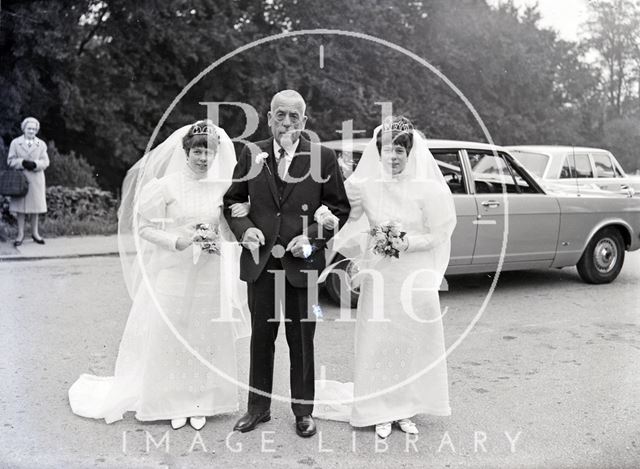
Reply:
x=603, y=257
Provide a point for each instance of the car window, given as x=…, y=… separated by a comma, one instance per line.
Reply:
x=583, y=166
x=345, y=162
x=567, y=170
x=449, y=163
x=576, y=166
x=348, y=160
x=490, y=173
x=522, y=184
x=494, y=174
x=618, y=171
x=604, y=166
x=536, y=163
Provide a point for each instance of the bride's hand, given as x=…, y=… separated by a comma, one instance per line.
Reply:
x=326, y=218
x=183, y=243
x=240, y=210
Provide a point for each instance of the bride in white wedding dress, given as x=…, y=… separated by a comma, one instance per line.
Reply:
x=400, y=361
x=177, y=358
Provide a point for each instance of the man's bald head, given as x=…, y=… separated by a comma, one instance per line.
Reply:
x=286, y=117
x=289, y=97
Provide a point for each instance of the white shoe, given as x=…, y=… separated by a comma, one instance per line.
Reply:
x=408, y=426
x=197, y=422
x=178, y=423
x=383, y=430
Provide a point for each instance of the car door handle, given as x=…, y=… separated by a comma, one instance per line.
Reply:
x=491, y=203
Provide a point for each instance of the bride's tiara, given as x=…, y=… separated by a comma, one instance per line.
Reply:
x=203, y=130
x=397, y=124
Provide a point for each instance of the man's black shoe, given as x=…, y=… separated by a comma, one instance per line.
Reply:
x=249, y=421
x=305, y=426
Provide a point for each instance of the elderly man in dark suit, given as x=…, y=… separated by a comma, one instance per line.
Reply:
x=286, y=178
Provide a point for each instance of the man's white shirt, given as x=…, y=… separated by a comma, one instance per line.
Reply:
x=288, y=155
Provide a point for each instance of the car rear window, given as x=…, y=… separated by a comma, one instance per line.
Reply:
x=604, y=165
x=536, y=163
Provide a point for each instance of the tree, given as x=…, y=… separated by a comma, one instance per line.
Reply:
x=100, y=73
x=38, y=41
x=614, y=33
x=622, y=138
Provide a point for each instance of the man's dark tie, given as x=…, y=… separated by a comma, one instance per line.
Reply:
x=279, y=181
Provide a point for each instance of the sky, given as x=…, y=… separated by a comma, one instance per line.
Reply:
x=565, y=16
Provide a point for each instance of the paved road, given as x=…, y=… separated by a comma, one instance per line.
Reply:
x=552, y=361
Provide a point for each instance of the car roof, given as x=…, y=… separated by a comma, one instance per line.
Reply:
x=359, y=144
x=556, y=155
x=553, y=149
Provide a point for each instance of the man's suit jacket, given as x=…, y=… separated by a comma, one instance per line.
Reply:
x=281, y=218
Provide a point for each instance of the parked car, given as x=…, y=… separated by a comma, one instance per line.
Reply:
x=546, y=228
x=575, y=168
x=348, y=152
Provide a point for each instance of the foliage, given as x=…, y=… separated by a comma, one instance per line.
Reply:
x=614, y=33
x=71, y=211
x=85, y=203
x=622, y=138
x=6, y=219
x=100, y=73
x=68, y=169
x=3, y=155
x=70, y=226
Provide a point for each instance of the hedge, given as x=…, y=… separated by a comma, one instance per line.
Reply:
x=71, y=211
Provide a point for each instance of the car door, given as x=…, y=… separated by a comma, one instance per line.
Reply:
x=510, y=204
x=464, y=236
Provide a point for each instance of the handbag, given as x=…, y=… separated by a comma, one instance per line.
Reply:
x=13, y=183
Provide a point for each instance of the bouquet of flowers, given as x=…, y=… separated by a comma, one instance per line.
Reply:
x=207, y=238
x=388, y=239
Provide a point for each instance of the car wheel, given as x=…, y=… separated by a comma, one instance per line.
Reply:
x=603, y=257
x=334, y=281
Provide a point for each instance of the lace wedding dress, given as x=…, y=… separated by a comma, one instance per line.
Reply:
x=177, y=355
x=400, y=360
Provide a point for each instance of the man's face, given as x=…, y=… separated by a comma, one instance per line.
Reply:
x=286, y=120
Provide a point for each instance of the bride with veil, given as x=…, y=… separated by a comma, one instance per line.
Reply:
x=177, y=358
x=400, y=360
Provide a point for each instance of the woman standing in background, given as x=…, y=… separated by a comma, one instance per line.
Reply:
x=28, y=153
